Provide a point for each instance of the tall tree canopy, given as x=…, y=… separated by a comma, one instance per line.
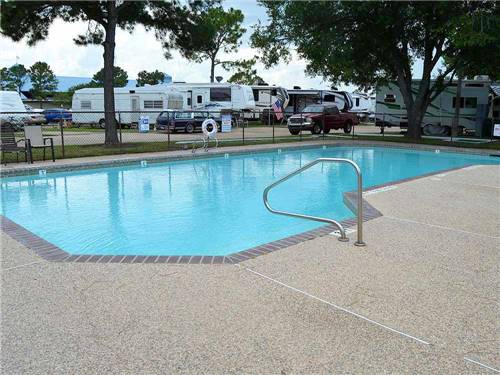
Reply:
x=120, y=78
x=373, y=43
x=243, y=71
x=214, y=31
x=31, y=21
x=13, y=78
x=150, y=78
x=43, y=79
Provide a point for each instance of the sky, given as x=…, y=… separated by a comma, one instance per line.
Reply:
x=141, y=51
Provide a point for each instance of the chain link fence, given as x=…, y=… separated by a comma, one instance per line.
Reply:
x=79, y=133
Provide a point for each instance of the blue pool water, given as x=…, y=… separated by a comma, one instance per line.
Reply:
x=210, y=206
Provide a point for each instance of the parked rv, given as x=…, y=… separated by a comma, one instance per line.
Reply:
x=12, y=110
x=264, y=97
x=299, y=99
x=88, y=104
x=474, y=108
x=361, y=105
x=226, y=96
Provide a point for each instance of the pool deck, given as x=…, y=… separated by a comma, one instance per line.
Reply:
x=422, y=297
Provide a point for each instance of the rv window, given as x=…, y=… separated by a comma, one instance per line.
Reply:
x=199, y=99
x=470, y=102
x=390, y=98
x=85, y=104
x=455, y=102
x=357, y=102
x=255, y=95
x=153, y=104
x=220, y=94
x=329, y=98
x=474, y=85
x=189, y=101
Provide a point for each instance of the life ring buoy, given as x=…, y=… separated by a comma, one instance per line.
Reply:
x=211, y=133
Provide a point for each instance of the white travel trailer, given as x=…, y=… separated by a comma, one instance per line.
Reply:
x=88, y=104
x=361, y=104
x=474, y=108
x=214, y=96
x=264, y=96
x=11, y=108
x=299, y=99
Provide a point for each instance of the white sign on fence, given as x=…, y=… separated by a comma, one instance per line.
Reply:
x=144, y=124
x=226, y=123
x=496, y=130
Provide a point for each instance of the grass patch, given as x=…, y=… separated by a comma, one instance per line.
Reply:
x=75, y=151
x=495, y=145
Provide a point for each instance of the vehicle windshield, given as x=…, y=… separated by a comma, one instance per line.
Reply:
x=313, y=109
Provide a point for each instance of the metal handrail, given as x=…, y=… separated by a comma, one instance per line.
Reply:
x=343, y=237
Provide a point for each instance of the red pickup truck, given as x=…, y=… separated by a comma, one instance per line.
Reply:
x=322, y=117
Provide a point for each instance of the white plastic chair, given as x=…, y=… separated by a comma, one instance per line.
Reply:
x=35, y=139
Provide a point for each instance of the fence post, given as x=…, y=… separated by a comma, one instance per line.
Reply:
x=301, y=125
x=352, y=131
x=168, y=134
x=383, y=124
x=243, y=133
x=323, y=130
x=61, y=127
x=273, y=130
x=120, y=127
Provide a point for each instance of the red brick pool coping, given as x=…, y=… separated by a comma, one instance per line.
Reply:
x=50, y=252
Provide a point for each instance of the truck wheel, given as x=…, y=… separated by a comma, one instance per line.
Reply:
x=316, y=129
x=189, y=128
x=294, y=131
x=102, y=123
x=348, y=127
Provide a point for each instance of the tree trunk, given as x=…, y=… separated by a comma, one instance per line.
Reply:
x=415, y=115
x=111, y=135
x=456, y=117
x=212, y=70
x=414, y=110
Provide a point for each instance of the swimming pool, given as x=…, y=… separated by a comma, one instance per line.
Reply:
x=209, y=206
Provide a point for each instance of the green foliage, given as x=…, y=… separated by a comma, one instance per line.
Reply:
x=373, y=43
x=213, y=31
x=150, y=78
x=43, y=80
x=120, y=77
x=13, y=78
x=31, y=21
x=6, y=81
x=243, y=72
x=472, y=34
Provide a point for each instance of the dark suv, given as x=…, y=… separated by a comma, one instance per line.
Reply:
x=321, y=117
x=189, y=122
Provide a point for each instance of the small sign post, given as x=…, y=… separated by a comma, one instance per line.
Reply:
x=496, y=130
x=226, y=125
x=144, y=124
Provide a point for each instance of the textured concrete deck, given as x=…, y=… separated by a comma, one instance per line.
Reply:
x=422, y=297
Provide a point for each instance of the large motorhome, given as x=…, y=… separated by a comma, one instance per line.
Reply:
x=215, y=96
x=474, y=104
x=131, y=103
x=299, y=99
x=264, y=97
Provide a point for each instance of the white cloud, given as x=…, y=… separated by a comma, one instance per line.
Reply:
x=135, y=52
